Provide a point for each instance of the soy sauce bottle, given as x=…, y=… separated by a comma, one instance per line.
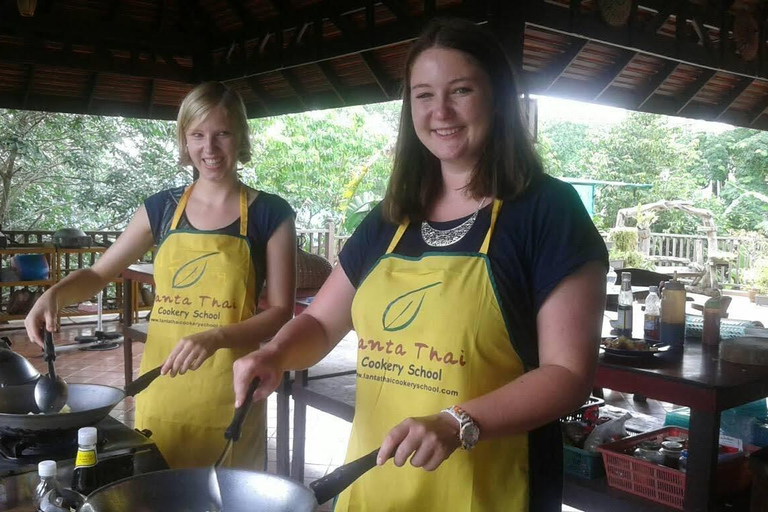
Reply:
x=84, y=479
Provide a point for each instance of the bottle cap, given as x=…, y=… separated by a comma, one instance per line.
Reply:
x=653, y=289
x=626, y=275
x=87, y=436
x=47, y=468
x=674, y=285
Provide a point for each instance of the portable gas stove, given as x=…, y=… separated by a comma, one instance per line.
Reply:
x=122, y=452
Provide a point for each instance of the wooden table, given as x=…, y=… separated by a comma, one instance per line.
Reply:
x=140, y=273
x=701, y=381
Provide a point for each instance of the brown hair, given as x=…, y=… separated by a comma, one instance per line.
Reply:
x=198, y=103
x=509, y=161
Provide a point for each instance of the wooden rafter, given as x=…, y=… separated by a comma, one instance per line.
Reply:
x=151, y=95
x=694, y=89
x=332, y=80
x=90, y=92
x=373, y=65
x=295, y=85
x=28, y=85
x=657, y=81
x=732, y=96
x=555, y=70
x=603, y=82
x=260, y=93
x=759, y=110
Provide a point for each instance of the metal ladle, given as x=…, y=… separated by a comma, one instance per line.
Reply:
x=51, y=392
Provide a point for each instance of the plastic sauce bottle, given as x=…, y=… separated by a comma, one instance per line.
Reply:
x=652, y=314
x=47, y=470
x=624, y=322
x=672, y=328
x=84, y=479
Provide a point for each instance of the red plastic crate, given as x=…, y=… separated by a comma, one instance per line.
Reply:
x=660, y=483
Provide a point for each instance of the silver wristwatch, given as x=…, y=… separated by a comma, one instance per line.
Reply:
x=469, y=432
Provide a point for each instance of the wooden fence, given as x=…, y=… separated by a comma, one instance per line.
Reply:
x=324, y=242
x=739, y=253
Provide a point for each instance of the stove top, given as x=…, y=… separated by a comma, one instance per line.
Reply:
x=122, y=452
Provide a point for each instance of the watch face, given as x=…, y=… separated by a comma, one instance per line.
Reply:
x=470, y=434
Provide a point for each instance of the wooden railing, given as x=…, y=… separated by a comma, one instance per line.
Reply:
x=324, y=241
x=740, y=252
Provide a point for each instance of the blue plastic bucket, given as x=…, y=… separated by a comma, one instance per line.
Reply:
x=31, y=267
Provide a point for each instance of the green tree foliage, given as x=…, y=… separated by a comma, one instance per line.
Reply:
x=714, y=170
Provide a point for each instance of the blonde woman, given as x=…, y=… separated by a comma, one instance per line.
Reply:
x=218, y=240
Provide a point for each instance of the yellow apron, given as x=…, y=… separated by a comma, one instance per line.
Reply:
x=431, y=334
x=202, y=280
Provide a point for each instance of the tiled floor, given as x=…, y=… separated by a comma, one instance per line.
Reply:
x=327, y=435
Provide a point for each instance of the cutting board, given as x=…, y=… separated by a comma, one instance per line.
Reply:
x=745, y=350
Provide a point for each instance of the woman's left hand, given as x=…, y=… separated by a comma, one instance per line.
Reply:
x=428, y=441
x=191, y=352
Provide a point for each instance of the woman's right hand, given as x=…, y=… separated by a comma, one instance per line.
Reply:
x=263, y=363
x=42, y=316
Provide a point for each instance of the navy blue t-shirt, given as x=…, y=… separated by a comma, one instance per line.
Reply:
x=539, y=239
x=265, y=214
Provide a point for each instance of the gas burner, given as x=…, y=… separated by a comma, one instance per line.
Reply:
x=32, y=449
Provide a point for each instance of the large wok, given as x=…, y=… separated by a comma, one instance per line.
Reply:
x=215, y=489
x=241, y=491
x=89, y=404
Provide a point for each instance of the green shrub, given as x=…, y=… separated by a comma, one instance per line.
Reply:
x=624, y=239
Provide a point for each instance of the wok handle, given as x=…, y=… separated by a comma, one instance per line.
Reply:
x=49, y=352
x=342, y=477
x=233, y=430
x=141, y=383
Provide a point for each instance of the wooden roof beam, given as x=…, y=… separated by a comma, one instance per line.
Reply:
x=90, y=92
x=260, y=93
x=295, y=86
x=733, y=96
x=603, y=82
x=333, y=80
x=28, y=84
x=241, y=14
x=353, y=41
x=656, y=82
x=429, y=7
x=555, y=70
x=663, y=15
x=399, y=10
x=151, y=96
x=694, y=89
x=383, y=81
x=759, y=110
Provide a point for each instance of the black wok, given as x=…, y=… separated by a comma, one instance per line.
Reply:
x=89, y=404
x=18, y=379
x=241, y=491
x=232, y=490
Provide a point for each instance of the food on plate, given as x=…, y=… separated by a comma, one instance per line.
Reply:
x=624, y=343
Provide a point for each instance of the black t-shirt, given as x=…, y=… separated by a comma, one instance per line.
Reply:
x=539, y=239
x=265, y=214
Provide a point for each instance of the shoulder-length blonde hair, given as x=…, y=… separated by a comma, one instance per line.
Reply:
x=508, y=162
x=199, y=102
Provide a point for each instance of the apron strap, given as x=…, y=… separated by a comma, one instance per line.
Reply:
x=398, y=235
x=243, y=209
x=494, y=216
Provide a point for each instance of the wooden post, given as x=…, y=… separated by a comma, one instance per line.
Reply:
x=330, y=242
x=698, y=251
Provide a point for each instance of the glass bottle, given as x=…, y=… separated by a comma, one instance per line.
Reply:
x=84, y=478
x=47, y=470
x=652, y=314
x=672, y=328
x=624, y=322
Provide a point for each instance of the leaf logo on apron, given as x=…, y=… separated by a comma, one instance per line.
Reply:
x=191, y=272
x=399, y=313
